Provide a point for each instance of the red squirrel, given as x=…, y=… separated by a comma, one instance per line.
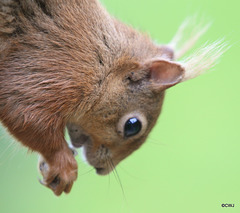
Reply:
x=71, y=64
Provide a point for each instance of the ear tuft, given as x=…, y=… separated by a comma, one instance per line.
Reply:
x=164, y=74
x=204, y=59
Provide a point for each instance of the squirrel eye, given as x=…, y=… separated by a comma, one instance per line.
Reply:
x=132, y=127
x=132, y=124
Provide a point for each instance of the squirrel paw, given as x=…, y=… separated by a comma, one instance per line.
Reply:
x=60, y=174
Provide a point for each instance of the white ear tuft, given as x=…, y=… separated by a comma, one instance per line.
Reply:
x=203, y=59
x=187, y=35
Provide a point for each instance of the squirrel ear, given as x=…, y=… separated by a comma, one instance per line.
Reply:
x=164, y=74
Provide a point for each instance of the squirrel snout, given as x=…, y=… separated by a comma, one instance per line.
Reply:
x=103, y=170
x=100, y=170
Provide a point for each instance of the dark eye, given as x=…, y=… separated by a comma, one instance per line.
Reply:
x=132, y=127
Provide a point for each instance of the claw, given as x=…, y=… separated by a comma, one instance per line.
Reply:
x=41, y=182
x=61, y=173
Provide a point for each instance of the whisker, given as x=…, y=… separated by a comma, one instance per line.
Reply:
x=11, y=146
x=108, y=164
x=85, y=173
x=130, y=174
x=80, y=161
x=109, y=182
x=7, y=148
x=15, y=150
x=117, y=177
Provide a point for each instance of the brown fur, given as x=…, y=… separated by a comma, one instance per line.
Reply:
x=71, y=63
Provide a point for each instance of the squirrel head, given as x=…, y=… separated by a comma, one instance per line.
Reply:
x=128, y=106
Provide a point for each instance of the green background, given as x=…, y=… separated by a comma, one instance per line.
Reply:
x=190, y=163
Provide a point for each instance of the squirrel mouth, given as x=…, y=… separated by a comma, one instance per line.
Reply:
x=80, y=139
x=99, y=170
x=102, y=171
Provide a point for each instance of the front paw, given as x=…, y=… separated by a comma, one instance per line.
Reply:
x=60, y=172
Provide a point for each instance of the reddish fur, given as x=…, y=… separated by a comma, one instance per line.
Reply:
x=60, y=63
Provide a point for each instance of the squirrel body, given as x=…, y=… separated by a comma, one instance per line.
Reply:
x=69, y=63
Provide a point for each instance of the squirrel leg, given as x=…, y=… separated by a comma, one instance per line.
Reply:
x=45, y=135
x=46, y=171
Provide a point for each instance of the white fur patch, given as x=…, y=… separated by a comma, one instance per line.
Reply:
x=83, y=155
x=187, y=35
x=203, y=59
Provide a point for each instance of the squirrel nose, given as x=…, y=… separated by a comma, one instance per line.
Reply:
x=99, y=170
